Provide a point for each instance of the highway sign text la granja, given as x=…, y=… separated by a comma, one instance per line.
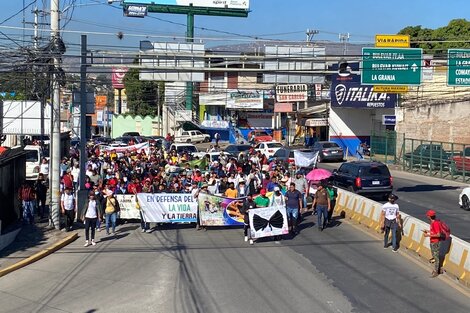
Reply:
x=391, y=66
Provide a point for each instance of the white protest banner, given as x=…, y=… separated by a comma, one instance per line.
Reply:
x=168, y=207
x=305, y=159
x=267, y=222
x=128, y=204
x=138, y=148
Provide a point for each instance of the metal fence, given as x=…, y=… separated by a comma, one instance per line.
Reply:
x=433, y=158
x=383, y=147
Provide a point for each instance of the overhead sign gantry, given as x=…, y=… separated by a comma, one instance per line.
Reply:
x=232, y=8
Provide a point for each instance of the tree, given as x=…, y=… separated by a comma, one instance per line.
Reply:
x=142, y=96
x=437, y=41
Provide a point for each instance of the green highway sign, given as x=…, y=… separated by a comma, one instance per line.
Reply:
x=458, y=67
x=391, y=66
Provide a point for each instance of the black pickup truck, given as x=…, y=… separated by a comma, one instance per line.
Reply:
x=432, y=156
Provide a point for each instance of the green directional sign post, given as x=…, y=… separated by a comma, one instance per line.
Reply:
x=391, y=66
x=458, y=67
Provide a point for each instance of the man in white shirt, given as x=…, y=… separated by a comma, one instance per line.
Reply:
x=76, y=175
x=67, y=204
x=390, y=221
x=44, y=168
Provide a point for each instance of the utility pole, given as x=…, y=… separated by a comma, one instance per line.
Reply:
x=310, y=33
x=344, y=38
x=55, y=118
x=82, y=193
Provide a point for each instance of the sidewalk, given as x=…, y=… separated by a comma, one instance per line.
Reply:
x=33, y=243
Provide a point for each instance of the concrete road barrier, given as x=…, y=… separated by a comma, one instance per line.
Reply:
x=367, y=213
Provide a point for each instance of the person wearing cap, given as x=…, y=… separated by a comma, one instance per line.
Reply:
x=434, y=234
x=111, y=210
x=390, y=221
x=262, y=200
x=277, y=199
x=91, y=213
x=67, y=205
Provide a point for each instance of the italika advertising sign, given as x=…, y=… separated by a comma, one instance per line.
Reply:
x=347, y=91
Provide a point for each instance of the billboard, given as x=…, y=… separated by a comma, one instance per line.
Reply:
x=347, y=91
x=172, y=62
x=118, y=77
x=228, y=4
x=294, y=65
x=234, y=99
x=245, y=99
x=24, y=118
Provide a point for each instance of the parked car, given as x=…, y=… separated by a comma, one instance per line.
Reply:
x=259, y=136
x=464, y=199
x=192, y=136
x=268, y=148
x=184, y=147
x=213, y=156
x=236, y=149
x=433, y=156
x=157, y=141
x=129, y=140
x=328, y=151
x=132, y=134
x=461, y=162
x=364, y=177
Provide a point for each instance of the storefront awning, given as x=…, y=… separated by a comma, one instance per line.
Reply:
x=314, y=122
x=318, y=109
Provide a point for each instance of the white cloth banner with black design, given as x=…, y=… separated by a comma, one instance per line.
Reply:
x=267, y=222
x=305, y=159
x=168, y=207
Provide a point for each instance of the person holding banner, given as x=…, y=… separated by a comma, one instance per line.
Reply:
x=262, y=200
x=293, y=206
x=248, y=205
x=203, y=189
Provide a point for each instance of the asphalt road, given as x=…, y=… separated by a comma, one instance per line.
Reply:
x=341, y=269
x=418, y=193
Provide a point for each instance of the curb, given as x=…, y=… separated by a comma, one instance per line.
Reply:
x=41, y=254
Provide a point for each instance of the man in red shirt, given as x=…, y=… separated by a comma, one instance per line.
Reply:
x=434, y=235
x=67, y=180
x=134, y=187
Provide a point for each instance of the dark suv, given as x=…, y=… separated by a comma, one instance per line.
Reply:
x=364, y=177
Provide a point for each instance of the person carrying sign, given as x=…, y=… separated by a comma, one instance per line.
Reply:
x=248, y=205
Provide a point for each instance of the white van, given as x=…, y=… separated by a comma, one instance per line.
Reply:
x=33, y=160
x=192, y=136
